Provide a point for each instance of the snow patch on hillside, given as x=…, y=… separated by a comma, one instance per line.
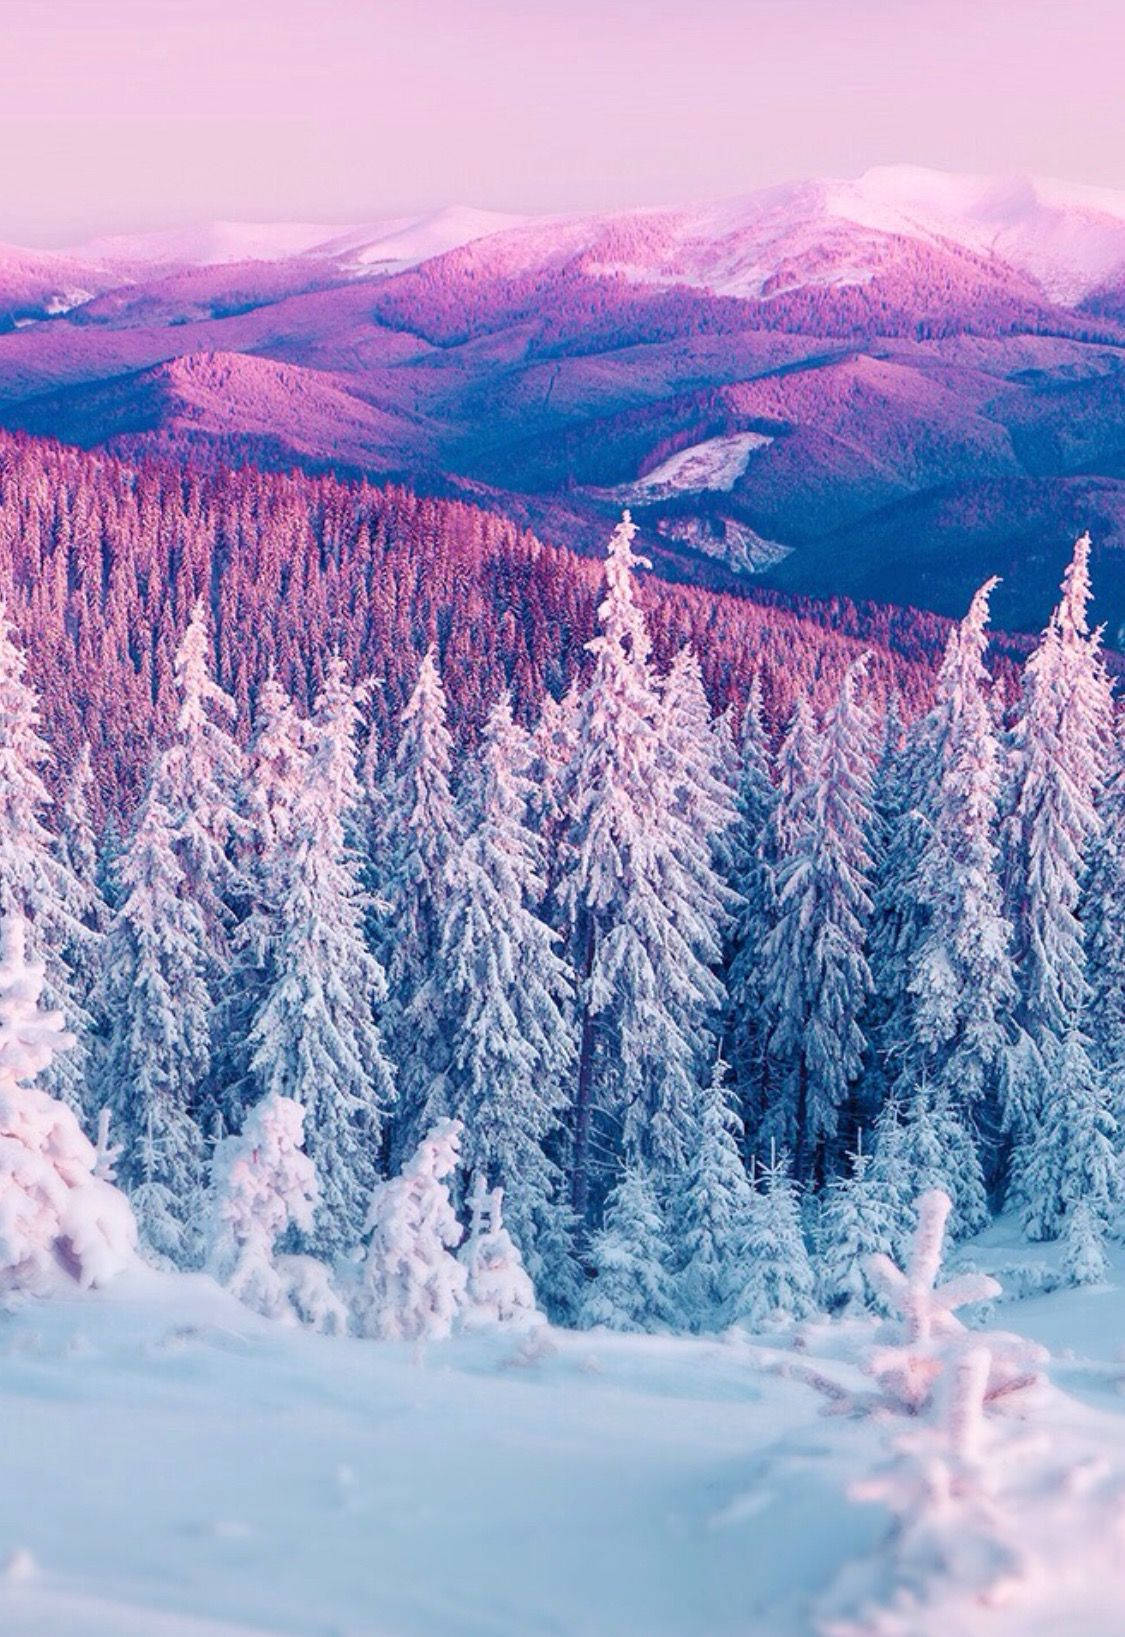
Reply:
x=715, y=465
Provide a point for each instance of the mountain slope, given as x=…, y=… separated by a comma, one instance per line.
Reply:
x=899, y=354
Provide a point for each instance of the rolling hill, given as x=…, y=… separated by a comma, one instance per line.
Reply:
x=922, y=374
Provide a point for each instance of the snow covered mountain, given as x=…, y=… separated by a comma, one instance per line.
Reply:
x=918, y=367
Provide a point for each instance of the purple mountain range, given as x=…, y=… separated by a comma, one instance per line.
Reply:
x=885, y=388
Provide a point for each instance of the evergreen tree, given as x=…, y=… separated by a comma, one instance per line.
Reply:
x=1105, y=937
x=937, y=1150
x=60, y=1218
x=155, y=1008
x=1084, y=1258
x=779, y=1283
x=711, y=1215
x=413, y=1287
x=752, y=875
x=1060, y=752
x=502, y=993
x=632, y=1288
x=1068, y=1157
x=77, y=850
x=262, y=1183
x=202, y=771
x=644, y=910
x=960, y=982
x=817, y=979
x=700, y=788
x=856, y=1221
x=315, y=1038
x=275, y=771
x=498, y=1291
x=422, y=840
x=36, y=880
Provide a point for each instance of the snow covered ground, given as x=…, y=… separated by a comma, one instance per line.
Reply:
x=173, y=1465
x=716, y=464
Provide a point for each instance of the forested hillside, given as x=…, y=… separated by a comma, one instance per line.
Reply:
x=102, y=562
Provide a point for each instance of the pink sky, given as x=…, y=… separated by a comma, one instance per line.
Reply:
x=123, y=113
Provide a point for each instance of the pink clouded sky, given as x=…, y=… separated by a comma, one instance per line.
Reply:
x=128, y=113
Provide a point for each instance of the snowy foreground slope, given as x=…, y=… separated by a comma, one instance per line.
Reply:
x=171, y=1464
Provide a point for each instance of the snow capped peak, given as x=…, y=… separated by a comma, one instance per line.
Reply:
x=1066, y=236
x=207, y=244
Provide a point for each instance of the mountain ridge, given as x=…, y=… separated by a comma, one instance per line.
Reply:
x=912, y=351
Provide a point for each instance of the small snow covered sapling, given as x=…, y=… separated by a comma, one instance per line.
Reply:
x=412, y=1287
x=908, y=1369
x=261, y=1184
x=498, y=1290
x=59, y=1220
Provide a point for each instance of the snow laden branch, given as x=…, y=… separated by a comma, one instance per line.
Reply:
x=61, y=1223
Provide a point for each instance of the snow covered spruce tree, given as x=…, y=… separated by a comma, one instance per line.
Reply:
x=816, y=976
x=752, y=875
x=778, y=1285
x=77, y=847
x=422, y=838
x=413, y=1287
x=856, y=1221
x=958, y=1047
x=501, y=994
x=644, y=911
x=632, y=1287
x=693, y=752
x=709, y=1216
x=1067, y=1158
x=202, y=775
x=37, y=880
x=274, y=773
x=59, y=1220
x=155, y=1010
x=1061, y=752
x=498, y=1291
x=262, y=1183
x=315, y=1038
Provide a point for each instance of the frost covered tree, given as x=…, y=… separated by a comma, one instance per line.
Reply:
x=413, y=1287
x=856, y=1221
x=1068, y=1155
x=1105, y=936
x=155, y=1010
x=632, y=1287
x=960, y=987
x=816, y=974
x=935, y=1148
x=498, y=1291
x=202, y=772
x=36, y=880
x=274, y=773
x=900, y=828
x=502, y=993
x=643, y=909
x=315, y=1037
x=1060, y=754
x=422, y=838
x=77, y=847
x=701, y=791
x=779, y=1283
x=751, y=871
x=710, y=1215
x=1084, y=1258
x=59, y=1220
x=262, y=1183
